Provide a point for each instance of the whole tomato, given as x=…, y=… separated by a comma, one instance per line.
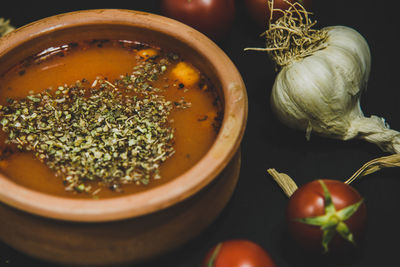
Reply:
x=212, y=17
x=260, y=12
x=326, y=216
x=238, y=253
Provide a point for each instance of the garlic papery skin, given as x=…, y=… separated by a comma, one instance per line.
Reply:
x=321, y=92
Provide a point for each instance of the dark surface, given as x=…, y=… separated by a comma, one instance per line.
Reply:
x=256, y=210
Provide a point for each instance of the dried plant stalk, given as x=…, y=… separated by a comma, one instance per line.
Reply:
x=292, y=35
x=284, y=181
x=288, y=185
x=375, y=165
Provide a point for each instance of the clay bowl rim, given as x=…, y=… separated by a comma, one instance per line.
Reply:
x=189, y=183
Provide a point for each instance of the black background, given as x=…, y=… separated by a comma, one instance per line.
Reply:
x=256, y=210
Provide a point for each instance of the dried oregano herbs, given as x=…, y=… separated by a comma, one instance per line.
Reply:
x=5, y=27
x=98, y=132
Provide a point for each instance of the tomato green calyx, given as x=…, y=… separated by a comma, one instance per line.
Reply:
x=213, y=257
x=333, y=220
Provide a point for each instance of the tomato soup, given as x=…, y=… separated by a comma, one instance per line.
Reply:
x=104, y=118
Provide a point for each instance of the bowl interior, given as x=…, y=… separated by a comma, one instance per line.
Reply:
x=150, y=29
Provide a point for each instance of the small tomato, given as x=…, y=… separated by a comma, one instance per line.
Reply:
x=260, y=12
x=238, y=253
x=326, y=215
x=211, y=17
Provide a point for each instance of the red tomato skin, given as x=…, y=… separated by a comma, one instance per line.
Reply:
x=214, y=18
x=308, y=201
x=240, y=253
x=260, y=12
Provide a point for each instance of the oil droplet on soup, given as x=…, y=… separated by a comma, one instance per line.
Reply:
x=104, y=118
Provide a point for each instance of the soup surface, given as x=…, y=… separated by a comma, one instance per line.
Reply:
x=104, y=118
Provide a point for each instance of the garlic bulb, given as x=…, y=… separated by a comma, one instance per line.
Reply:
x=321, y=92
x=322, y=75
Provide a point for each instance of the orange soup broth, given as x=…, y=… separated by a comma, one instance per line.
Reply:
x=194, y=135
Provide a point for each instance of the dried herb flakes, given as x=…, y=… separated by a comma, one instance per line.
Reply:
x=102, y=135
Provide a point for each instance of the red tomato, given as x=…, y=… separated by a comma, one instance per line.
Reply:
x=260, y=12
x=325, y=216
x=238, y=253
x=211, y=17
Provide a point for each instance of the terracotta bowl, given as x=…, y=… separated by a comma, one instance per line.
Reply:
x=136, y=227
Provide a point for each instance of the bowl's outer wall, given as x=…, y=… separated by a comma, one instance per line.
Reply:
x=118, y=242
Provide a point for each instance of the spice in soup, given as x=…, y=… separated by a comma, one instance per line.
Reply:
x=116, y=129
